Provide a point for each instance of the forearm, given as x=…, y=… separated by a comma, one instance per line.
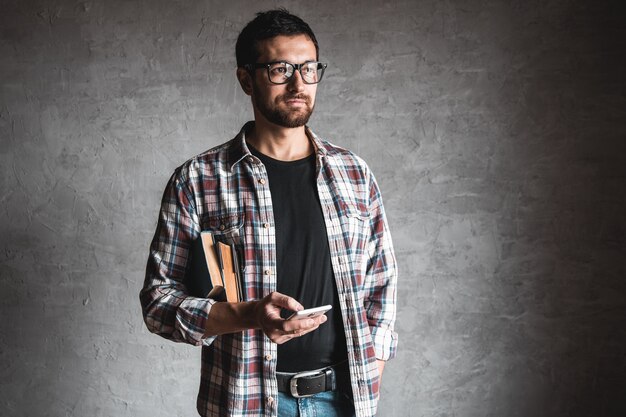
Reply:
x=231, y=318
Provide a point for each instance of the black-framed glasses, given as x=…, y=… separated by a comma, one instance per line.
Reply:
x=280, y=72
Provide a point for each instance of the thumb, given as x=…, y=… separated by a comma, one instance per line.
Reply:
x=284, y=301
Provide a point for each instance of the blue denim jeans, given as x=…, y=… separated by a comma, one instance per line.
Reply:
x=324, y=404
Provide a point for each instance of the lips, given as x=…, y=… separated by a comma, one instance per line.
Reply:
x=296, y=100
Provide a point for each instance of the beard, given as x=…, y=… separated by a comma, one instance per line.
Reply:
x=284, y=117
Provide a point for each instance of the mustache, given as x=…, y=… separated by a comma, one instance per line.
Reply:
x=303, y=97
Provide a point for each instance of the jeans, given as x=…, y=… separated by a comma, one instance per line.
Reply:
x=324, y=404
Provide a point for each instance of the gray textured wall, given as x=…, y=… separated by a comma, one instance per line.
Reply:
x=497, y=132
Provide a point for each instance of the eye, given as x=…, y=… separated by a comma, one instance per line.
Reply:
x=278, y=69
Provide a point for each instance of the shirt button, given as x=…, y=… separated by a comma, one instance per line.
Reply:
x=266, y=272
x=262, y=181
x=268, y=357
x=222, y=227
x=270, y=400
x=266, y=225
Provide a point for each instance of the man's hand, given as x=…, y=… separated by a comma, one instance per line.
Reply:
x=264, y=314
x=381, y=367
x=279, y=330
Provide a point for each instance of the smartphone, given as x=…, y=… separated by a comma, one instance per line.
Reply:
x=310, y=312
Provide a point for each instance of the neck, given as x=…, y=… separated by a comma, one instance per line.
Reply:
x=281, y=143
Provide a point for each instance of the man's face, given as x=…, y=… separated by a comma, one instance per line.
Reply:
x=291, y=104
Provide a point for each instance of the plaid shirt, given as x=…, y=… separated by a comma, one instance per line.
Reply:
x=225, y=190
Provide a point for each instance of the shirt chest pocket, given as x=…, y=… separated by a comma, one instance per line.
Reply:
x=355, y=222
x=227, y=228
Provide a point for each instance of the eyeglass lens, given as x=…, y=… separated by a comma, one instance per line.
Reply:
x=281, y=72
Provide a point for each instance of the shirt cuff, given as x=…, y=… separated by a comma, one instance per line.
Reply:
x=385, y=343
x=191, y=320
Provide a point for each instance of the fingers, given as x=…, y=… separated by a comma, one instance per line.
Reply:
x=290, y=329
x=269, y=307
x=301, y=332
x=301, y=327
x=284, y=301
x=287, y=336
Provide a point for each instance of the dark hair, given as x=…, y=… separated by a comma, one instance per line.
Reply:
x=267, y=25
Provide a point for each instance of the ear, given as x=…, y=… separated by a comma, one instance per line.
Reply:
x=245, y=80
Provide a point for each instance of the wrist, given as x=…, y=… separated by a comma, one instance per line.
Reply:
x=250, y=310
x=244, y=314
x=226, y=317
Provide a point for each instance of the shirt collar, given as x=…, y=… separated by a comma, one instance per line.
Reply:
x=239, y=150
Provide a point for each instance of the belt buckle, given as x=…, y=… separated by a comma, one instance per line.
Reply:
x=293, y=382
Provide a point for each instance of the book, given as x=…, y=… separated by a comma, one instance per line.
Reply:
x=214, y=264
x=237, y=268
x=214, y=270
x=229, y=272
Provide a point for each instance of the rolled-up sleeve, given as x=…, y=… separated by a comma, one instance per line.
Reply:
x=168, y=309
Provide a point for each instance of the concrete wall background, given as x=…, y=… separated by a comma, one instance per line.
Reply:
x=497, y=131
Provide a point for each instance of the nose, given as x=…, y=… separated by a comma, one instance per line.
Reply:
x=295, y=83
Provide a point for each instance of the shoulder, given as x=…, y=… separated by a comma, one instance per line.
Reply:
x=210, y=163
x=346, y=159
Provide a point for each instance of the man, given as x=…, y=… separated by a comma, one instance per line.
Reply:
x=308, y=221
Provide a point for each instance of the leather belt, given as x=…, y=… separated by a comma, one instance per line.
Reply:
x=308, y=383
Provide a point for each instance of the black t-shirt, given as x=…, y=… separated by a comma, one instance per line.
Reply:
x=304, y=270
